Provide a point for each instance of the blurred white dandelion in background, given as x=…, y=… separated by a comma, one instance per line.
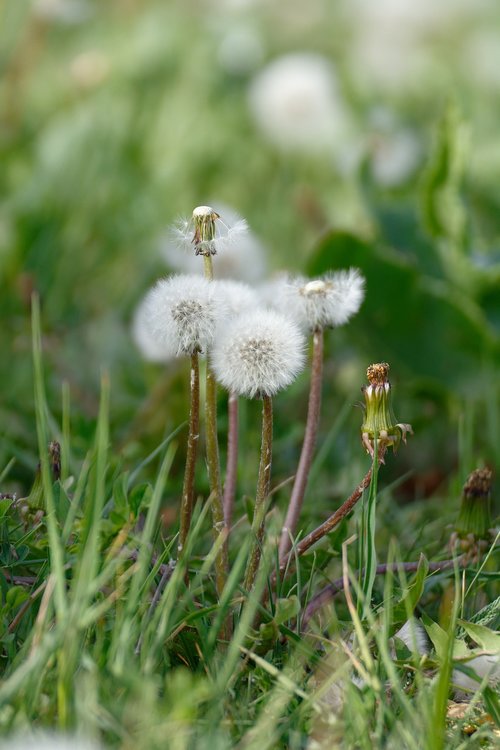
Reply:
x=296, y=103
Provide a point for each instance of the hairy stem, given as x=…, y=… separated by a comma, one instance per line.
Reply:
x=187, y=501
x=306, y=456
x=332, y=521
x=263, y=486
x=213, y=465
x=232, y=458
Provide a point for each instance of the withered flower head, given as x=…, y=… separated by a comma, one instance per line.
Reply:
x=475, y=509
x=380, y=422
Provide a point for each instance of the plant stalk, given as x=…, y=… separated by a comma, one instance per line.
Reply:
x=232, y=459
x=187, y=501
x=333, y=520
x=306, y=456
x=263, y=487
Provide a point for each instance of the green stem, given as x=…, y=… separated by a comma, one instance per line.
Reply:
x=187, y=501
x=213, y=465
x=263, y=486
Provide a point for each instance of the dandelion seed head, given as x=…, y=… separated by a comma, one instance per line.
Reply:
x=237, y=296
x=181, y=313
x=148, y=346
x=323, y=303
x=296, y=103
x=207, y=232
x=258, y=353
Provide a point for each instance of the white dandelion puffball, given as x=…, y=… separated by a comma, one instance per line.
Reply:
x=236, y=296
x=240, y=256
x=325, y=302
x=258, y=353
x=148, y=346
x=296, y=103
x=182, y=313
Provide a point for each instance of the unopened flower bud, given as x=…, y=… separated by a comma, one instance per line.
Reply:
x=380, y=422
x=475, y=510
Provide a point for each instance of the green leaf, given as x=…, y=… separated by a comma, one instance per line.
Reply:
x=439, y=639
x=405, y=607
x=486, y=638
x=286, y=609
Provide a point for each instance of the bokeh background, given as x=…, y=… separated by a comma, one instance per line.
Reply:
x=347, y=133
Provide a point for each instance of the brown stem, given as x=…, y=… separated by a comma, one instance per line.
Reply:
x=263, y=486
x=335, y=587
x=331, y=522
x=232, y=458
x=306, y=456
x=187, y=501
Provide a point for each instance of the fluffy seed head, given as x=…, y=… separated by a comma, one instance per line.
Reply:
x=181, y=313
x=258, y=353
x=326, y=302
x=148, y=346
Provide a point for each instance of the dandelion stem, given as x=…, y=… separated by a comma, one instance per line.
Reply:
x=333, y=520
x=187, y=501
x=213, y=465
x=306, y=456
x=263, y=486
x=232, y=458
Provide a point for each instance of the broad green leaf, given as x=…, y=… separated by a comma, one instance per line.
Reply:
x=486, y=638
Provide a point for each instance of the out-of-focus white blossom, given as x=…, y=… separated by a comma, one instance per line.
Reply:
x=296, y=103
x=182, y=313
x=244, y=258
x=325, y=302
x=240, y=50
x=270, y=291
x=62, y=11
x=258, y=353
x=395, y=157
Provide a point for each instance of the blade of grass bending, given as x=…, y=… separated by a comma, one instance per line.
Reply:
x=135, y=473
x=66, y=431
x=55, y=546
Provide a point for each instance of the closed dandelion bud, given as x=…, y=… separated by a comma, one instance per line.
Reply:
x=475, y=511
x=326, y=302
x=258, y=354
x=380, y=420
x=207, y=232
x=181, y=314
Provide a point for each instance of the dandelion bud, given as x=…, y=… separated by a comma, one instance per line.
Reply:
x=475, y=511
x=258, y=354
x=181, y=314
x=207, y=232
x=326, y=302
x=379, y=417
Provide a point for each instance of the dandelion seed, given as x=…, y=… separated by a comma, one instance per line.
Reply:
x=182, y=313
x=243, y=259
x=325, y=302
x=259, y=352
x=207, y=232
